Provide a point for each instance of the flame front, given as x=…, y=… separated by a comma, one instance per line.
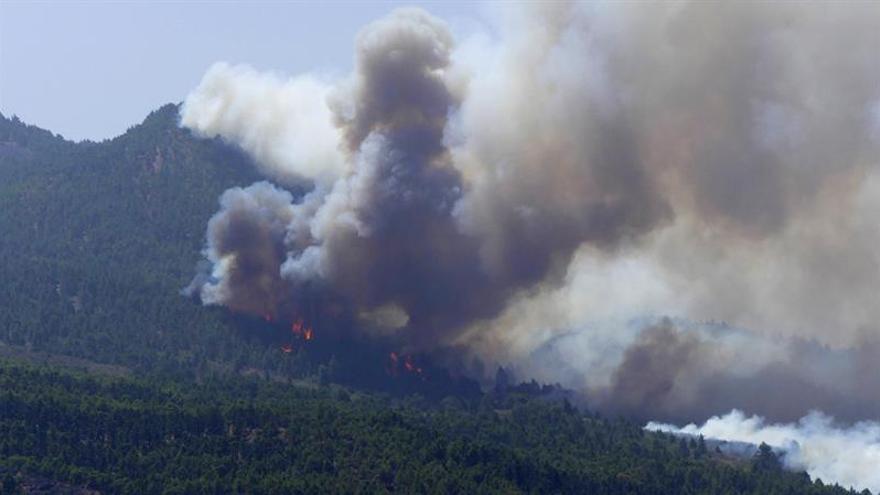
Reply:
x=402, y=363
x=301, y=330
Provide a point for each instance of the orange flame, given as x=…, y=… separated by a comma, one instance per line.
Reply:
x=407, y=364
x=392, y=364
x=410, y=365
x=299, y=328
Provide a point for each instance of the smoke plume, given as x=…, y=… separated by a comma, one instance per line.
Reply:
x=848, y=456
x=285, y=124
x=537, y=194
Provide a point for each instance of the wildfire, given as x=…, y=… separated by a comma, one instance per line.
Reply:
x=410, y=366
x=301, y=330
x=404, y=363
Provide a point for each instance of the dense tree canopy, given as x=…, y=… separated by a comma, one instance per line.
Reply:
x=250, y=435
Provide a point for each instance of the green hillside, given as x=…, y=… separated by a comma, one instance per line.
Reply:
x=98, y=239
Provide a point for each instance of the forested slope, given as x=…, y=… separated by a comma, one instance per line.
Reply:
x=98, y=239
x=124, y=435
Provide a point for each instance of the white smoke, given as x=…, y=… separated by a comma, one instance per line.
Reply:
x=849, y=456
x=284, y=123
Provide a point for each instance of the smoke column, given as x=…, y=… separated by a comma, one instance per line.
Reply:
x=540, y=194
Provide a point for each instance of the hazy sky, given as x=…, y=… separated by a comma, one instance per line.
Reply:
x=89, y=70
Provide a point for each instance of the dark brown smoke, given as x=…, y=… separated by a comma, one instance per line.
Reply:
x=651, y=369
x=581, y=167
x=388, y=233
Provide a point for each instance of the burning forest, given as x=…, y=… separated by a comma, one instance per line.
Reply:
x=669, y=208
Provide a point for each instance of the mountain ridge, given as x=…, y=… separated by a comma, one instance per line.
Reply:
x=111, y=220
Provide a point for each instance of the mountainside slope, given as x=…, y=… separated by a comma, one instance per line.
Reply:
x=100, y=237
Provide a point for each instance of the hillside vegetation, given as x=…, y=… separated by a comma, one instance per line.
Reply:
x=99, y=238
x=124, y=435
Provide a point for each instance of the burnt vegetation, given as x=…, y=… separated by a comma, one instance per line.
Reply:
x=97, y=241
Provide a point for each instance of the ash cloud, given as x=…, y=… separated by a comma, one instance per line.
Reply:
x=533, y=195
x=402, y=226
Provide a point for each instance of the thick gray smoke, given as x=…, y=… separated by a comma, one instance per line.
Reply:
x=400, y=227
x=675, y=370
x=538, y=192
x=383, y=233
x=246, y=247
